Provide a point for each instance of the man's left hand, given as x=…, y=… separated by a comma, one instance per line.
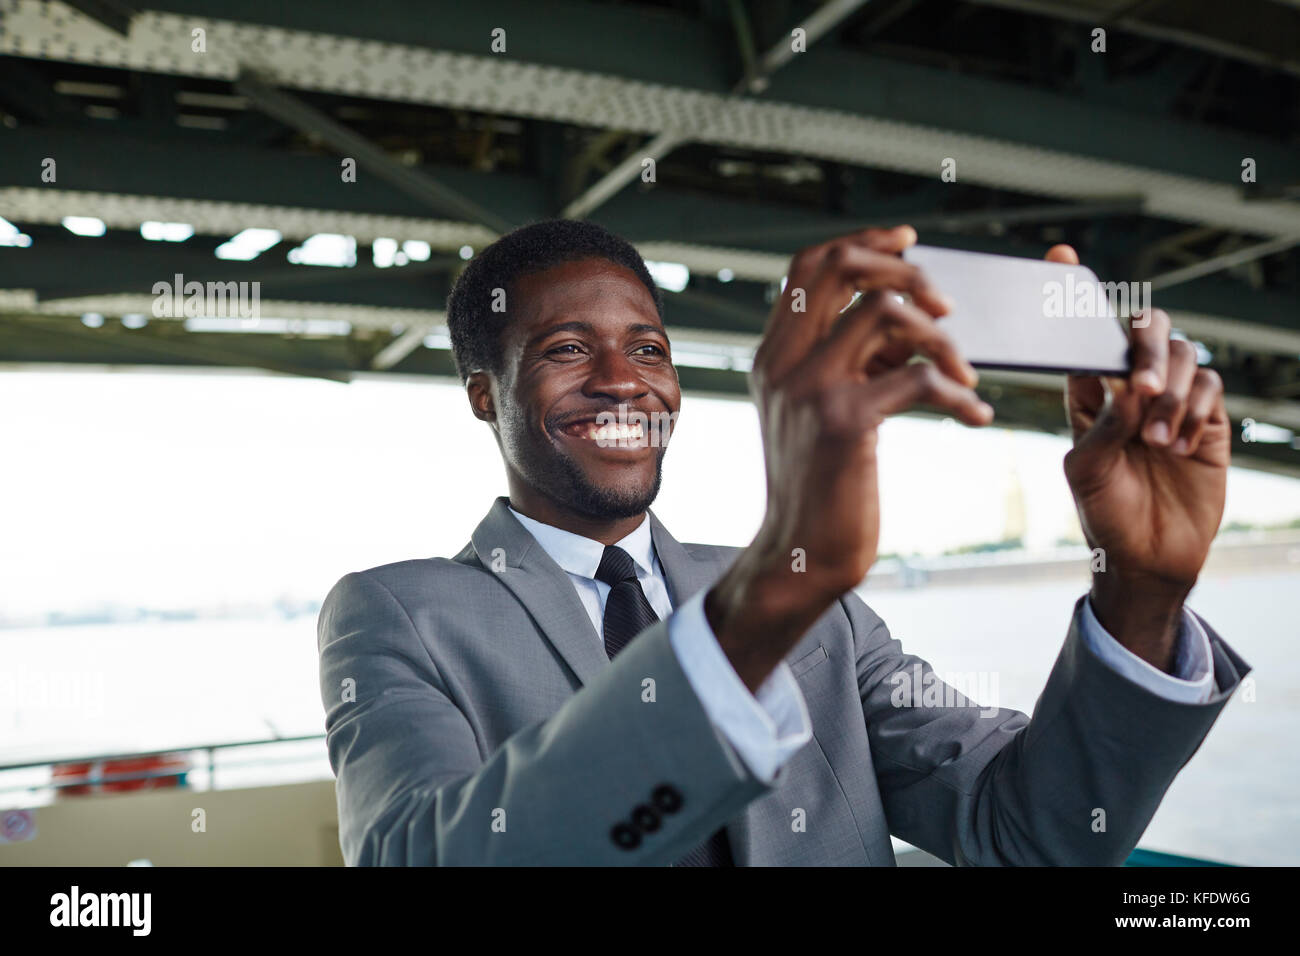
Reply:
x=1148, y=471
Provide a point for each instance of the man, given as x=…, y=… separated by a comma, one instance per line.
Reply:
x=577, y=687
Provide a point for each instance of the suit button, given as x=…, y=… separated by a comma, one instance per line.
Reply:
x=667, y=798
x=625, y=836
x=646, y=819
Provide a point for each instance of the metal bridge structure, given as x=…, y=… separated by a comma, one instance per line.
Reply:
x=139, y=139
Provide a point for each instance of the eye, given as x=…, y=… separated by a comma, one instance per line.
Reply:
x=568, y=349
x=653, y=350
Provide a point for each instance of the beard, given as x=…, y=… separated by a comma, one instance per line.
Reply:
x=550, y=470
x=563, y=481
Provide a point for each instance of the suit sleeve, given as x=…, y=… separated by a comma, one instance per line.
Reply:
x=1076, y=784
x=765, y=728
x=416, y=787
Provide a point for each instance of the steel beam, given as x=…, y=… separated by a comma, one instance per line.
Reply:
x=294, y=113
x=402, y=346
x=622, y=174
x=1253, y=34
x=927, y=218
x=1225, y=261
x=114, y=14
x=148, y=348
x=822, y=21
x=1263, y=319
x=907, y=118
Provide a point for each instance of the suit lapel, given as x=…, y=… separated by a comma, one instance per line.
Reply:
x=543, y=588
x=546, y=591
x=685, y=575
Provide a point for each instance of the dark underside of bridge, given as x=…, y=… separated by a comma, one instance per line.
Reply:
x=1134, y=155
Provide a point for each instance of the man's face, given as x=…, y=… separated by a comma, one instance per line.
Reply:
x=585, y=347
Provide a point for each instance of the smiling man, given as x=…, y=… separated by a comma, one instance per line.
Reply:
x=578, y=687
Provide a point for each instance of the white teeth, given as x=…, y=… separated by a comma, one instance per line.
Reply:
x=615, y=432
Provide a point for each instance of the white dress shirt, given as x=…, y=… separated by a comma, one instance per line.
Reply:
x=766, y=728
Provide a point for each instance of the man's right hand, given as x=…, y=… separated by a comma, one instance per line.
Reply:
x=824, y=379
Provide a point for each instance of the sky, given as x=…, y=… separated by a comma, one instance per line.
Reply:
x=167, y=489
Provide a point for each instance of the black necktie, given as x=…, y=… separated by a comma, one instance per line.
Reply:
x=627, y=614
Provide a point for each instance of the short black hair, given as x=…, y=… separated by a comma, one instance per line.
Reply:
x=476, y=329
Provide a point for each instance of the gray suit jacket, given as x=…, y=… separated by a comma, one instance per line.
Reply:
x=472, y=717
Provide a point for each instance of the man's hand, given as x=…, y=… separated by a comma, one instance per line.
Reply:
x=1148, y=471
x=824, y=378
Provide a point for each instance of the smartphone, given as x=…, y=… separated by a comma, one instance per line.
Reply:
x=1029, y=314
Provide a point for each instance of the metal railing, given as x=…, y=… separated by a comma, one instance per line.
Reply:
x=209, y=752
x=1140, y=857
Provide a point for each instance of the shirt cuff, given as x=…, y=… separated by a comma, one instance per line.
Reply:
x=764, y=728
x=1192, y=681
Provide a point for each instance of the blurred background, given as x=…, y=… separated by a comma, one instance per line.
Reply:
x=186, y=475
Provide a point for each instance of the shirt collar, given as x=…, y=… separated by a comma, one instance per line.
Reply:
x=581, y=556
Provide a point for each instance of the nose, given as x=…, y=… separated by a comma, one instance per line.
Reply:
x=615, y=377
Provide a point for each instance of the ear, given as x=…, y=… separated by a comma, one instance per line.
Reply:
x=479, y=388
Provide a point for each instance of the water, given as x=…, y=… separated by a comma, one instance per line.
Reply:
x=71, y=691
x=1238, y=799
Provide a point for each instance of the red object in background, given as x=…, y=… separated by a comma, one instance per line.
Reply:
x=99, y=769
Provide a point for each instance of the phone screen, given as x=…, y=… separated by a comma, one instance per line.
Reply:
x=1013, y=313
